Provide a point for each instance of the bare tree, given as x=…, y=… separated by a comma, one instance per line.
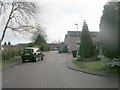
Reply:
x=39, y=30
x=1, y=7
x=19, y=17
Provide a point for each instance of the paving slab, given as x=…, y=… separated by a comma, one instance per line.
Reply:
x=52, y=72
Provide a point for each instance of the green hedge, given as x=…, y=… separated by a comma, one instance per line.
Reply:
x=10, y=53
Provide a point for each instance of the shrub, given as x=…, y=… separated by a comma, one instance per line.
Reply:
x=10, y=53
x=113, y=63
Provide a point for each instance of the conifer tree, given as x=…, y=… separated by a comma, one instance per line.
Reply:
x=109, y=26
x=9, y=43
x=86, y=45
x=5, y=43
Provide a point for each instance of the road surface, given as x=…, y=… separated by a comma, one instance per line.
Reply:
x=52, y=73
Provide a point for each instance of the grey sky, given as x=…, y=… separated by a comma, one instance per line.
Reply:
x=60, y=16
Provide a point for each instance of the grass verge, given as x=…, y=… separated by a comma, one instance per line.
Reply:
x=6, y=63
x=98, y=66
x=93, y=65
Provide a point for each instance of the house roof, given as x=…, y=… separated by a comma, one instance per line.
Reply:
x=74, y=33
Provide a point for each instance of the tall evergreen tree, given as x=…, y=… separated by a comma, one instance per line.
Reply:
x=9, y=43
x=40, y=39
x=5, y=43
x=109, y=30
x=41, y=42
x=86, y=45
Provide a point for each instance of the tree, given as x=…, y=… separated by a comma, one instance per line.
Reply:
x=38, y=30
x=41, y=42
x=9, y=43
x=20, y=15
x=39, y=39
x=118, y=28
x=109, y=30
x=87, y=49
x=5, y=43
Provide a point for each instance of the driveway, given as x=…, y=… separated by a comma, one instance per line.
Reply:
x=52, y=73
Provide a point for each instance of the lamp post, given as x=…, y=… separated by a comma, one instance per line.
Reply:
x=77, y=37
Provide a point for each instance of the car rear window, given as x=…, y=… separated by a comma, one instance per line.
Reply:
x=28, y=50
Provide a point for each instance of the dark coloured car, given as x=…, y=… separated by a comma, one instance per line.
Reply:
x=32, y=54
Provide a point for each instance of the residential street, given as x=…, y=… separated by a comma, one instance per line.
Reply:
x=52, y=72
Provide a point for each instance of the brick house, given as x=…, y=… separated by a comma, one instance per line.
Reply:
x=72, y=39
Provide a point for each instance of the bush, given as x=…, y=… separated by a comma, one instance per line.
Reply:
x=114, y=63
x=10, y=53
x=111, y=65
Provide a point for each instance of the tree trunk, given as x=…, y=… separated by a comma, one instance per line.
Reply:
x=0, y=59
x=4, y=31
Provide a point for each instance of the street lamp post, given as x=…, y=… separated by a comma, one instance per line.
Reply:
x=77, y=37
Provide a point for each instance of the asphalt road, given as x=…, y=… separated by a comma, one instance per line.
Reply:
x=52, y=73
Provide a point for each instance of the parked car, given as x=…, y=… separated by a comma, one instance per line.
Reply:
x=32, y=54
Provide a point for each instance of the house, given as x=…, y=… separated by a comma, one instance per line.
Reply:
x=53, y=46
x=72, y=39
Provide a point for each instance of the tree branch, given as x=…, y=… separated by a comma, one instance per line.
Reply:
x=20, y=28
x=1, y=7
x=19, y=16
x=4, y=31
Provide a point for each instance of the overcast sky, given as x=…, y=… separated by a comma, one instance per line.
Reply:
x=60, y=16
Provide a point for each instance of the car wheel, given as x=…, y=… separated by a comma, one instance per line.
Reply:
x=23, y=60
x=36, y=59
x=41, y=58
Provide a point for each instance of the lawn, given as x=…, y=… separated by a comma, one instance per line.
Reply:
x=93, y=65
x=96, y=66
